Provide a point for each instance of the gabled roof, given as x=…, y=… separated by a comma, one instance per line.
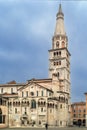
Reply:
x=38, y=83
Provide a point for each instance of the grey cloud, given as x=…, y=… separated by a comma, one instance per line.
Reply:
x=26, y=30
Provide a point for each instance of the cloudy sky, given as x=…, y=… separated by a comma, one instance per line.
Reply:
x=26, y=30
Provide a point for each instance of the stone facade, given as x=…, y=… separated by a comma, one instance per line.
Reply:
x=41, y=101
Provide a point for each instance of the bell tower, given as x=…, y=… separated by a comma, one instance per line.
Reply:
x=59, y=56
x=59, y=67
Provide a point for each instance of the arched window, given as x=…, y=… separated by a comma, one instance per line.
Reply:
x=27, y=102
x=32, y=93
x=50, y=104
x=39, y=122
x=44, y=103
x=57, y=53
x=19, y=103
x=60, y=53
x=59, y=62
x=14, y=104
x=33, y=104
x=54, y=63
x=57, y=44
x=63, y=44
x=54, y=53
x=39, y=103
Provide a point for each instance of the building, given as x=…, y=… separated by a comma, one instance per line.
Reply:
x=78, y=112
x=86, y=108
x=40, y=101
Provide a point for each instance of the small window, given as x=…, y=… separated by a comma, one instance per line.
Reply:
x=11, y=90
x=57, y=53
x=57, y=63
x=26, y=93
x=42, y=93
x=39, y=122
x=54, y=53
x=37, y=93
x=25, y=111
x=63, y=44
x=61, y=106
x=41, y=109
x=49, y=93
x=57, y=44
x=54, y=63
x=74, y=115
x=1, y=90
x=15, y=110
x=22, y=94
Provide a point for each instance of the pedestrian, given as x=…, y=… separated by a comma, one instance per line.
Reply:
x=79, y=123
x=46, y=126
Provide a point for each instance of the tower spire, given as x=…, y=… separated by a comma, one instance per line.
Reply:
x=60, y=11
x=60, y=29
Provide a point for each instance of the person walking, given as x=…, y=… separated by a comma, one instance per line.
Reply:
x=46, y=126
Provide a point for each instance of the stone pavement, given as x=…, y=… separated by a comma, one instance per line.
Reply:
x=66, y=128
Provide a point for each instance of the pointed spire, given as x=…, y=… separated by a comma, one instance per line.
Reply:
x=60, y=13
x=60, y=29
x=60, y=9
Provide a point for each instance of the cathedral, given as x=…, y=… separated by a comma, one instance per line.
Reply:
x=41, y=101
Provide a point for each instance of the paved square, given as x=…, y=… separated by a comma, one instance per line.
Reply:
x=67, y=128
